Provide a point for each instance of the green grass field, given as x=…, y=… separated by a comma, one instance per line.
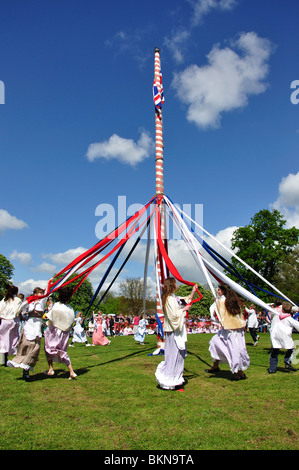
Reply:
x=114, y=404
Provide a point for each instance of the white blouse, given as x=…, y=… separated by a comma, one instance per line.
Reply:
x=10, y=309
x=281, y=332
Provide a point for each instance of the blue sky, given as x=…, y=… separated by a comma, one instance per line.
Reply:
x=77, y=73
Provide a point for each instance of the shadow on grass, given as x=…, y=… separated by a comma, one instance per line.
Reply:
x=64, y=373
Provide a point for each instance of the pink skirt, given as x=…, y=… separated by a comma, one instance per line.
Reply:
x=98, y=337
x=56, y=344
x=9, y=336
x=228, y=346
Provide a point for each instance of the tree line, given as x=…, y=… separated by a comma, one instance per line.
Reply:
x=265, y=244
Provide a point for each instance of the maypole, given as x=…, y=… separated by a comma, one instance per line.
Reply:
x=159, y=147
x=158, y=92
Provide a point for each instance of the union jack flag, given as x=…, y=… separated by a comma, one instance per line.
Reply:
x=158, y=93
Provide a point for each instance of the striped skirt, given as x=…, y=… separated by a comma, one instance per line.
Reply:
x=27, y=353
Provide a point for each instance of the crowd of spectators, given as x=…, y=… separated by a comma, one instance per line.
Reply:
x=123, y=325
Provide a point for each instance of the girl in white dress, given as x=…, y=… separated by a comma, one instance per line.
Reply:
x=169, y=373
x=79, y=335
x=10, y=308
x=141, y=330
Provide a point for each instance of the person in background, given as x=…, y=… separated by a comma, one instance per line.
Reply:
x=79, y=335
x=141, y=330
x=135, y=324
x=10, y=307
x=252, y=323
x=111, y=325
x=98, y=337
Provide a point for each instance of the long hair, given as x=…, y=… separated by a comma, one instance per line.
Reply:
x=232, y=302
x=65, y=294
x=168, y=289
x=11, y=292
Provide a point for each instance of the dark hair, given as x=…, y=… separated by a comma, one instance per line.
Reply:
x=11, y=292
x=38, y=290
x=232, y=302
x=169, y=288
x=286, y=307
x=65, y=295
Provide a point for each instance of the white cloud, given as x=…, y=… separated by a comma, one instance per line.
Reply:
x=124, y=150
x=289, y=190
x=224, y=237
x=28, y=286
x=226, y=82
x=22, y=257
x=288, y=199
x=186, y=265
x=64, y=258
x=8, y=222
x=45, y=267
x=177, y=44
x=203, y=7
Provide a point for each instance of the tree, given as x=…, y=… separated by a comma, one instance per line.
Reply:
x=287, y=277
x=110, y=304
x=132, y=291
x=263, y=244
x=6, y=273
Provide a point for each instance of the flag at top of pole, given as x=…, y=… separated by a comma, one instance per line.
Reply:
x=158, y=92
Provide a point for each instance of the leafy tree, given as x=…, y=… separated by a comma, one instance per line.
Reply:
x=263, y=244
x=6, y=273
x=202, y=307
x=287, y=277
x=110, y=304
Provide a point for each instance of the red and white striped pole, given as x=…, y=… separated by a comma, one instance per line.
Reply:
x=159, y=182
x=159, y=130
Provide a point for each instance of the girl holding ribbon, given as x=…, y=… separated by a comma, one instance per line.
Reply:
x=169, y=373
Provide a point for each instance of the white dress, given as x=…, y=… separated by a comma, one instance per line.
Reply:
x=252, y=321
x=169, y=373
x=141, y=330
x=79, y=335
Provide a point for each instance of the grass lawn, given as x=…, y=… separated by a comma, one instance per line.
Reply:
x=114, y=404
